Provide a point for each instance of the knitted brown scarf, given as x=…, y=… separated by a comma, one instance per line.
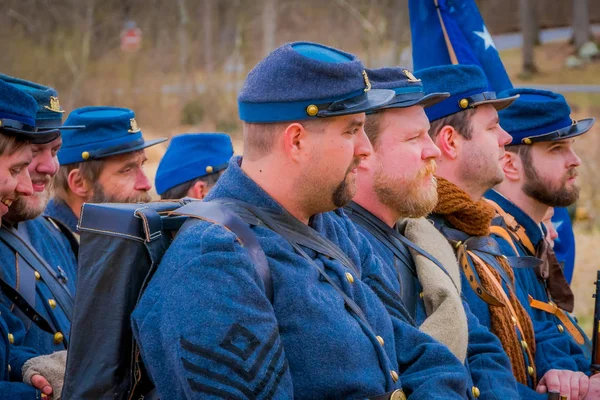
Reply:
x=474, y=218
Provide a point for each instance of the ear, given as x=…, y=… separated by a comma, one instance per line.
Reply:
x=199, y=190
x=79, y=185
x=448, y=141
x=512, y=166
x=295, y=141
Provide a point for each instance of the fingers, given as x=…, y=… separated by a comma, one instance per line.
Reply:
x=584, y=385
x=573, y=387
x=553, y=381
x=41, y=383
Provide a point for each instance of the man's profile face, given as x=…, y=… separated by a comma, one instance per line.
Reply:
x=122, y=180
x=404, y=157
x=338, y=146
x=481, y=155
x=42, y=169
x=550, y=173
x=14, y=177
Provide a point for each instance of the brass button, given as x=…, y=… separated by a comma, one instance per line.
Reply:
x=514, y=320
x=52, y=303
x=312, y=110
x=398, y=394
x=561, y=329
x=380, y=340
x=11, y=338
x=527, y=141
x=58, y=338
x=85, y=155
x=463, y=103
x=530, y=370
x=209, y=169
x=476, y=392
x=394, y=375
x=9, y=368
x=37, y=275
x=421, y=295
x=349, y=277
x=524, y=345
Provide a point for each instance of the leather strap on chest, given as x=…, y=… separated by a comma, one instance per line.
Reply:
x=552, y=309
x=516, y=230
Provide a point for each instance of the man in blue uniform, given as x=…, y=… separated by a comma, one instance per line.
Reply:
x=206, y=326
x=101, y=163
x=192, y=165
x=465, y=127
x=540, y=167
x=22, y=339
x=396, y=189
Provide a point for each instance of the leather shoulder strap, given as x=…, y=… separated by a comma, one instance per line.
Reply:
x=63, y=297
x=514, y=227
x=70, y=235
x=216, y=212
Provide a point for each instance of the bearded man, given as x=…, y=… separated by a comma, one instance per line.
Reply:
x=102, y=163
x=465, y=127
x=540, y=166
x=396, y=189
x=38, y=264
x=207, y=327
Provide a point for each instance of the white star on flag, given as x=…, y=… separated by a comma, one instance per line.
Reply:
x=487, y=38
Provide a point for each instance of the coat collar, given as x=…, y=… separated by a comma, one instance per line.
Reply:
x=534, y=231
x=61, y=211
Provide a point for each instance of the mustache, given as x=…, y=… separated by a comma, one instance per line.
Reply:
x=428, y=169
x=355, y=163
x=572, y=173
x=38, y=178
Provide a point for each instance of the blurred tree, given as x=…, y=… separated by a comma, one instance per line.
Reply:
x=528, y=29
x=581, y=22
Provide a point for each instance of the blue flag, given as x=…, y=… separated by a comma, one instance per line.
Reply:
x=564, y=244
x=453, y=32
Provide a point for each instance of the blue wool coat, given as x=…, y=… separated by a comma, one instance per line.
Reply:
x=60, y=211
x=486, y=361
x=28, y=339
x=482, y=311
x=207, y=330
x=13, y=390
x=559, y=349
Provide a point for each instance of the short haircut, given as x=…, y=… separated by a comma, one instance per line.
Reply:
x=10, y=144
x=89, y=170
x=372, y=127
x=524, y=152
x=460, y=121
x=180, y=191
x=259, y=139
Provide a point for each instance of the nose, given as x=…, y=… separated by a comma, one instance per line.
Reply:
x=46, y=163
x=362, y=146
x=503, y=138
x=24, y=186
x=142, y=183
x=574, y=160
x=430, y=150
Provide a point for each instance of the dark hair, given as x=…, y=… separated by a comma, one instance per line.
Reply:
x=181, y=190
x=89, y=170
x=460, y=121
x=372, y=125
x=524, y=152
x=10, y=144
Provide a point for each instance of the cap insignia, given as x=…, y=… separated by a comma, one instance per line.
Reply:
x=410, y=76
x=134, y=126
x=367, y=82
x=54, y=105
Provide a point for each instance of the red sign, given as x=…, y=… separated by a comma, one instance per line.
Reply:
x=131, y=40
